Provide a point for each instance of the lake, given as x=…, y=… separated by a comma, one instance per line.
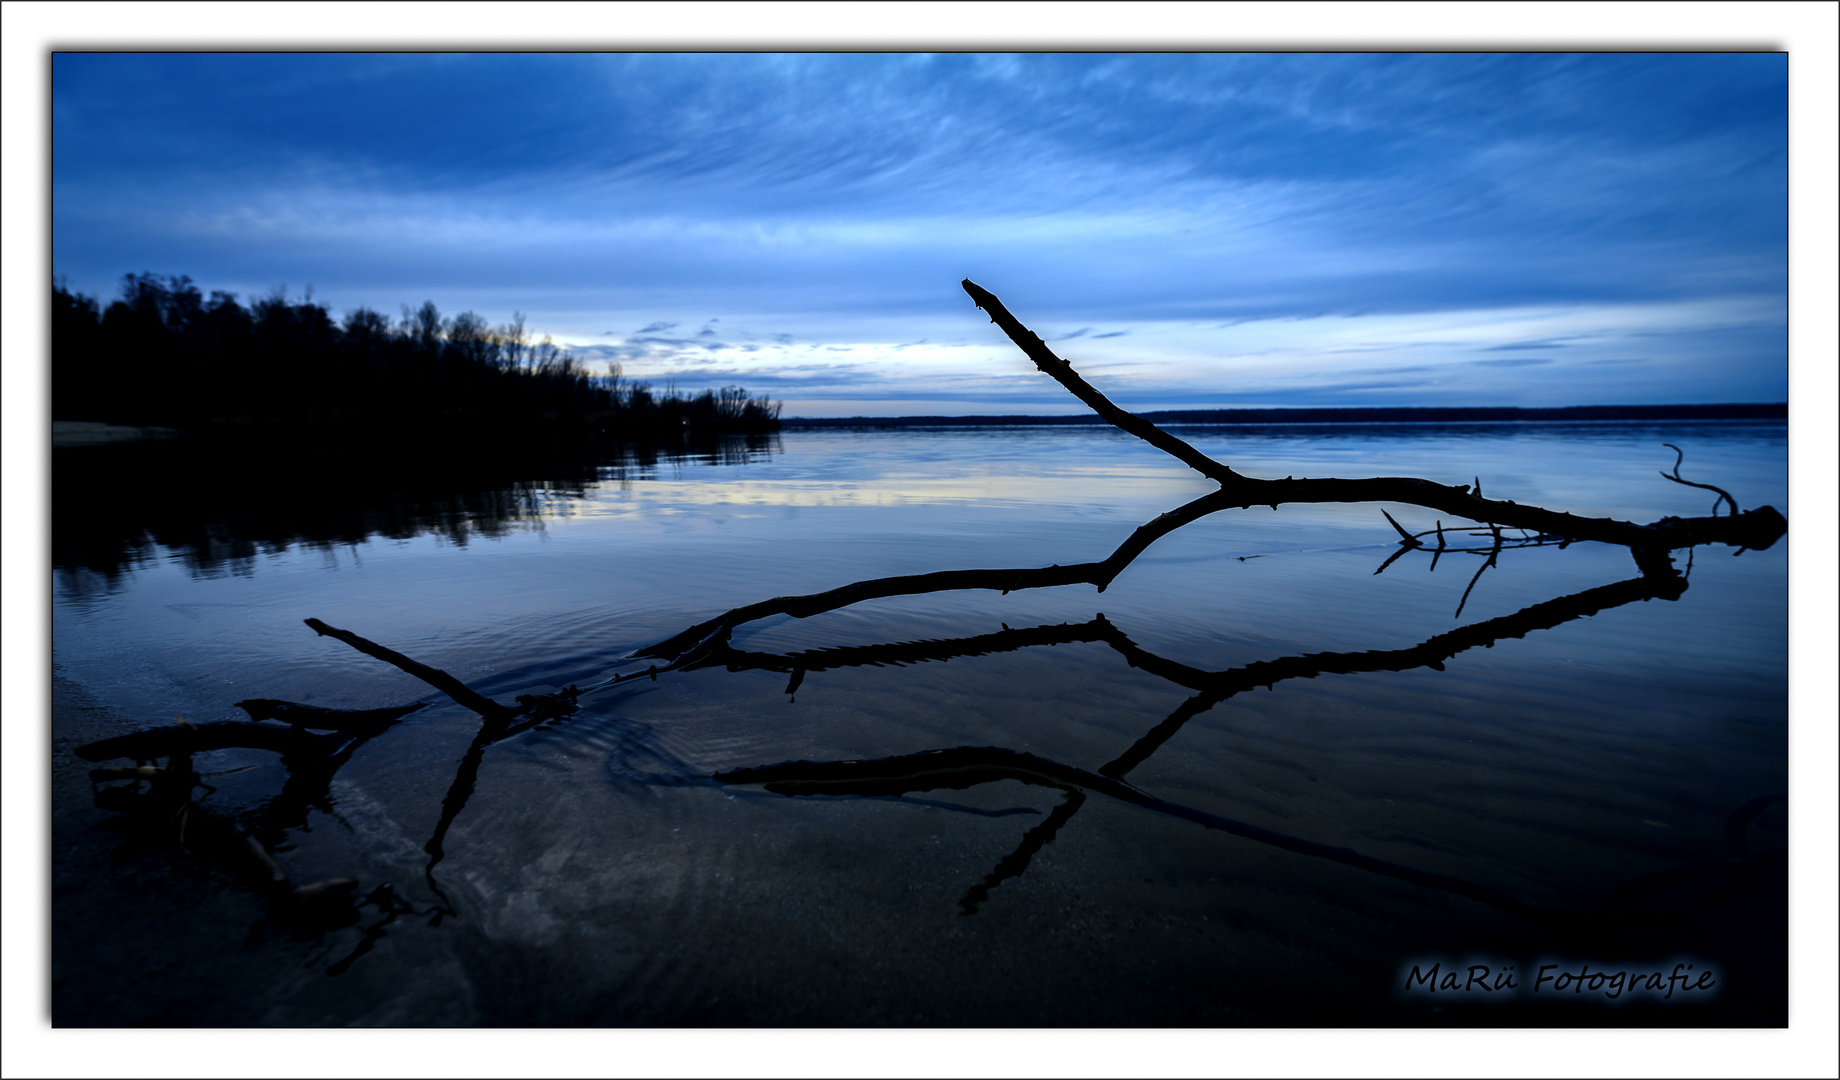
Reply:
x=1253, y=782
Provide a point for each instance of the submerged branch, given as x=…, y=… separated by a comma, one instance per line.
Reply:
x=1219, y=684
x=186, y=739
x=1216, y=687
x=901, y=653
x=434, y=677
x=688, y=648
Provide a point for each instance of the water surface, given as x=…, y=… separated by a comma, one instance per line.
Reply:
x=595, y=874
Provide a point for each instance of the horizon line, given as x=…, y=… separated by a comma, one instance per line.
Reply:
x=1341, y=414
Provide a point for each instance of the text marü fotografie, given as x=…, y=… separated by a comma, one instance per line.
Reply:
x=1681, y=981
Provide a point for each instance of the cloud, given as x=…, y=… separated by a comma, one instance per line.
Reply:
x=801, y=378
x=1550, y=344
x=846, y=195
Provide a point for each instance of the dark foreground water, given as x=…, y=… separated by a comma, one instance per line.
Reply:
x=1334, y=778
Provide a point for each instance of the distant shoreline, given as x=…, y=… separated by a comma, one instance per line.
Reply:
x=1268, y=417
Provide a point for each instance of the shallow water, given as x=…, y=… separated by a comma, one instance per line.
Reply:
x=594, y=873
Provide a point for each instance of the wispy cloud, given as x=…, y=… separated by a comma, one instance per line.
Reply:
x=833, y=202
x=1523, y=345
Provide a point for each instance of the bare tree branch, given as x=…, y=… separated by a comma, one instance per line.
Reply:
x=1757, y=529
x=1062, y=372
x=434, y=677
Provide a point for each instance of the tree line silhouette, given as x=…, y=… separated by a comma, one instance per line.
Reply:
x=165, y=354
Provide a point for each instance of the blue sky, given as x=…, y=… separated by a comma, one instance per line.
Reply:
x=1191, y=230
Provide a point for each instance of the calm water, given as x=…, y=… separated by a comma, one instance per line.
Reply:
x=595, y=874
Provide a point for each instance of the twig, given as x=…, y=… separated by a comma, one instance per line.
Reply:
x=1405, y=537
x=1679, y=456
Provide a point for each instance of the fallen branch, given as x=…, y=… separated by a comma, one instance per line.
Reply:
x=1062, y=372
x=1216, y=687
x=687, y=647
x=1755, y=529
x=434, y=677
x=187, y=739
x=877, y=779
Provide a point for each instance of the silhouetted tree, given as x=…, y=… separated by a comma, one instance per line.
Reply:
x=163, y=354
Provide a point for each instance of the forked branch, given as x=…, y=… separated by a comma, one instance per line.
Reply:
x=1756, y=529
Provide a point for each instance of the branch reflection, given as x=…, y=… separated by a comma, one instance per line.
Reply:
x=311, y=760
x=963, y=767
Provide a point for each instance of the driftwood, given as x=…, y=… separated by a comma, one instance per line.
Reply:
x=186, y=739
x=435, y=677
x=1757, y=529
x=1754, y=529
x=1215, y=687
x=159, y=800
x=967, y=766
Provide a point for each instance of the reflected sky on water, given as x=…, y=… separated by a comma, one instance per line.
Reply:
x=595, y=874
